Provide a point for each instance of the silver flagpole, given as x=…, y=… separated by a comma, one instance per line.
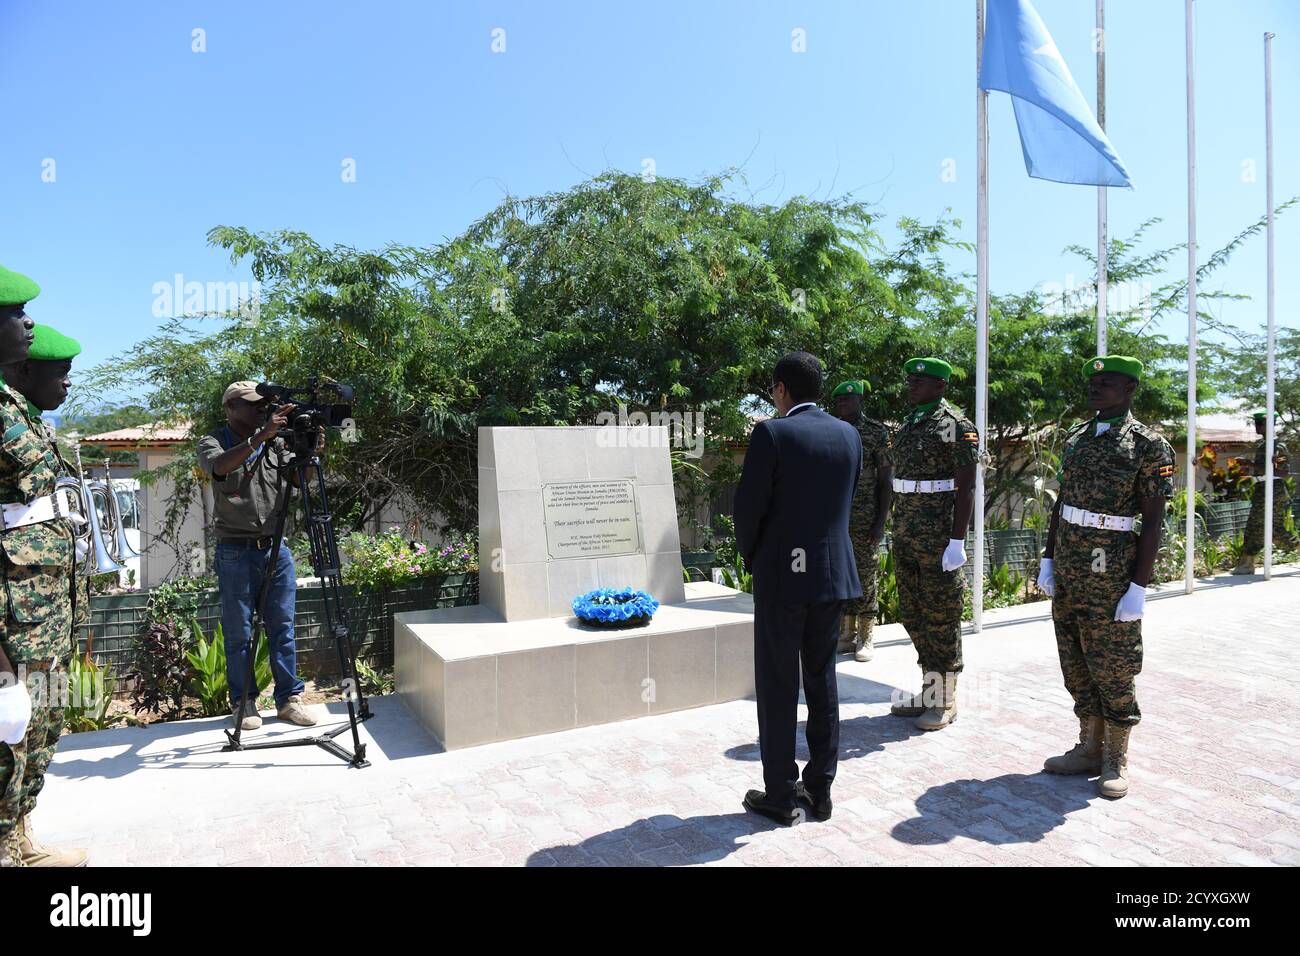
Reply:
x=1269, y=502
x=1102, y=252
x=981, y=313
x=1189, y=579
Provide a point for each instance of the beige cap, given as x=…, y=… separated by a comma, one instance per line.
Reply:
x=245, y=390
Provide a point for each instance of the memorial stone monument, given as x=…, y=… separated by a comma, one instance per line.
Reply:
x=562, y=511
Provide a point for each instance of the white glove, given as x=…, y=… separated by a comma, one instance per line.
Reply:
x=15, y=713
x=954, y=556
x=1131, y=604
x=1046, y=576
x=81, y=547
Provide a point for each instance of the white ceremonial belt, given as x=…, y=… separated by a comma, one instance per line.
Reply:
x=908, y=487
x=45, y=508
x=1091, y=519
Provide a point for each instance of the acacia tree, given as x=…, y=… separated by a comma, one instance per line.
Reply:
x=663, y=295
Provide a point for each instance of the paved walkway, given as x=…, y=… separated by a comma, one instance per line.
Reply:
x=1215, y=771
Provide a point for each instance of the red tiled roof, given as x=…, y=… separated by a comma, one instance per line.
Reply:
x=156, y=433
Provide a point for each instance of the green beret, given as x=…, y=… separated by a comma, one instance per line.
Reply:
x=851, y=387
x=933, y=367
x=15, y=288
x=52, y=346
x=1263, y=414
x=1124, y=364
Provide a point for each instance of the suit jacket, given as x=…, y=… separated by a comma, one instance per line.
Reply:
x=792, y=508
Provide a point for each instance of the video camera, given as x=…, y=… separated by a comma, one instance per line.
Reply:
x=311, y=413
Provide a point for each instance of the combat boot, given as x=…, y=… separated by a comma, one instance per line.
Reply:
x=864, y=650
x=9, y=853
x=33, y=854
x=1113, y=782
x=943, y=709
x=847, y=629
x=913, y=706
x=1246, y=565
x=1085, y=757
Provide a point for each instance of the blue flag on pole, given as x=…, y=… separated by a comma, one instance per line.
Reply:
x=1058, y=133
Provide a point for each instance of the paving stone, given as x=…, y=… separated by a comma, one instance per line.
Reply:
x=1208, y=787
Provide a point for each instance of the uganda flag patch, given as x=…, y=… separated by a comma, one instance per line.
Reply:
x=1166, y=471
x=972, y=437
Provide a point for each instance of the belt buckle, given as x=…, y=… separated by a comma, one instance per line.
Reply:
x=1093, y=520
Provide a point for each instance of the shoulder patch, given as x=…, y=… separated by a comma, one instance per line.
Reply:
x=13, y=431
x=1166, y=471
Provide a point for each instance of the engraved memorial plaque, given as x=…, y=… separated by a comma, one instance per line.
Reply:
x=590, y=519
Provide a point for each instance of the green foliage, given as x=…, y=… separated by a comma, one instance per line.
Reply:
x=737, y=577
x=89, y=694
x=1003, y=587
x=389, y=559
x=375, y=682
x=175, y=601
x=207, y=674
x=664, y=296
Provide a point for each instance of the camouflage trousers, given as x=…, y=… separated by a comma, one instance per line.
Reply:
x=868, y=574
x=930, y=606
x=23, y=766
x=1100, y=656
x=1253, y=542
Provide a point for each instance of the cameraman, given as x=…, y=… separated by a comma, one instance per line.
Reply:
x=241, y=459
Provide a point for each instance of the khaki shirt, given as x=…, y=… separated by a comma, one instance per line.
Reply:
x=245, y=500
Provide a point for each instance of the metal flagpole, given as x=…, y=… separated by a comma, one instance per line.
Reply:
x=981, y=313
x=1102, y=252
x=1269, y=501
x=1189, y=581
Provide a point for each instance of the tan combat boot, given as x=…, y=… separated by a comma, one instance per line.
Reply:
x=943, y=709
x=913, y=706
x=1113, y=782
x=33, y=854
x=9, y=853
x=1246, y=565
x=863, y=650
x=1086, y=755
x=847, y=630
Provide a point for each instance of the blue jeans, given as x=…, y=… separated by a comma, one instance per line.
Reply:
x=239, y=577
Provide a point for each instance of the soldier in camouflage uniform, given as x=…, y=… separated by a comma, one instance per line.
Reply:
x=1096, y=567
x=1253, y=542
x=36, y=630
x=866, y=520
x=934, y=455
x=42, y=381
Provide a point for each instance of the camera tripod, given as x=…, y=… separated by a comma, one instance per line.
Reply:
x=325, y=563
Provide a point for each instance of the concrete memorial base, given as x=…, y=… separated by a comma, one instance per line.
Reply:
x=472, y=678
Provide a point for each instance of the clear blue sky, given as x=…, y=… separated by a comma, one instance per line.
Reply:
x=155, y=144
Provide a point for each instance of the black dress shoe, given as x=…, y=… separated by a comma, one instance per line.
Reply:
x=819, y=807
x=756, y=802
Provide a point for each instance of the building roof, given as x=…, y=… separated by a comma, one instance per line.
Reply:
x=154, y=435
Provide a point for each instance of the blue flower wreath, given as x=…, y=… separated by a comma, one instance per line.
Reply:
x=615, y=607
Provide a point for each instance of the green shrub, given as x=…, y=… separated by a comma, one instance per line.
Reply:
x=89, y=695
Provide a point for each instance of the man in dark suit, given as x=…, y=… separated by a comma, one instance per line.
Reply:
x=792, y=529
